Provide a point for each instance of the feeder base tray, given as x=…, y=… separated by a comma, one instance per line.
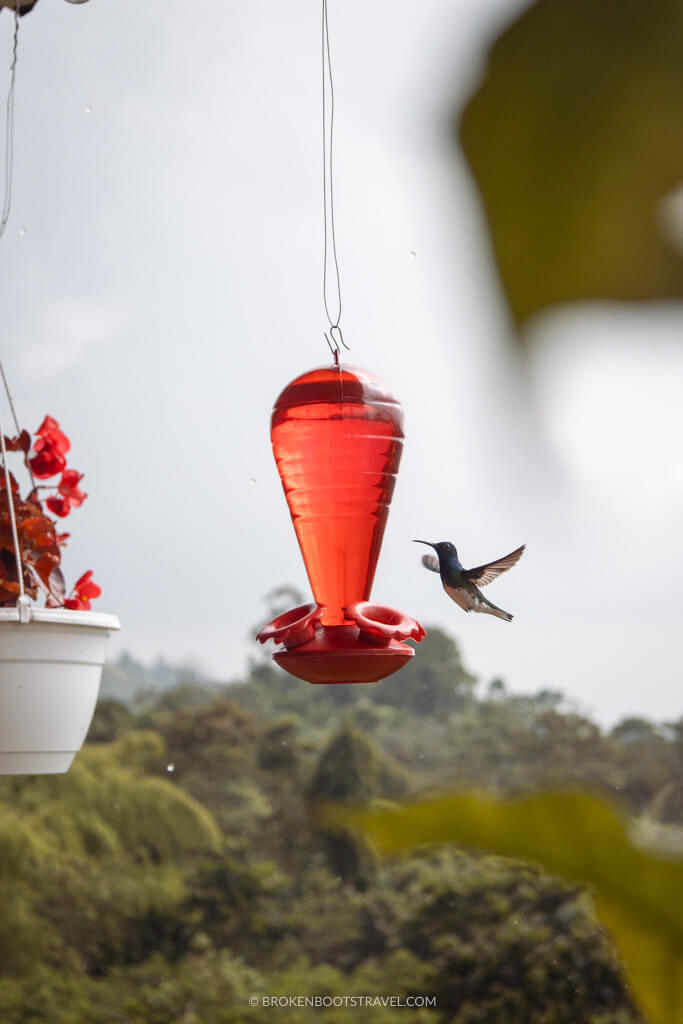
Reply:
x=340, y=656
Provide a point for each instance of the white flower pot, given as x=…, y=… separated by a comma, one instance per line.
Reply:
x=50, y=670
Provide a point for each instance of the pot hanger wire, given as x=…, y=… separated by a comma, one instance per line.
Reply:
x=333, y=335
x=9, y=127
x=23, y=603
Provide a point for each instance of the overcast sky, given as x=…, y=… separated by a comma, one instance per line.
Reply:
x=162, y=284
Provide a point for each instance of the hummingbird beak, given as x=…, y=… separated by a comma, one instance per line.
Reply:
x=427, y=542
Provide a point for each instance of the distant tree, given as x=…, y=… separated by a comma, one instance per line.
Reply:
x=211, y=748
x=111, y=720
x=208, y=737
x=633, y=730
x=496, y=689
x=351, y=770
x=433, y=683
x=667, y=806
x=278, y=750
x=183, y=695
x=236, y=904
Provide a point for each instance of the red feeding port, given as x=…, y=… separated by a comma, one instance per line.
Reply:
x=337, y=436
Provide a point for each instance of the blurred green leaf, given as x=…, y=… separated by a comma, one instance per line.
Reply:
x=638, y=896
x=574, y=138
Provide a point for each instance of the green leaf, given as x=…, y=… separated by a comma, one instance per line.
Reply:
x=638, y=894
x=574, y=139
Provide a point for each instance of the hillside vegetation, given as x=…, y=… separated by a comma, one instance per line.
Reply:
x=176, y=871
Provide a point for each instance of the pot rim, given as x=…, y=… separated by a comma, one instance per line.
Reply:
x=63, y=617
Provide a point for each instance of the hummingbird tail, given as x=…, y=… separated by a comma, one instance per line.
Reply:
x=493, y=609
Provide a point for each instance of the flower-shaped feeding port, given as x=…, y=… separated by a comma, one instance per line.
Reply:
x=380, y=625
x=337, y=436
x=294, y=627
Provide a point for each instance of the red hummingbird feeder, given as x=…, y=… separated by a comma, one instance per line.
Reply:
x=337, y=436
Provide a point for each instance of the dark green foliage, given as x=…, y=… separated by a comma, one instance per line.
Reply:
x=433, y=683
x=238, y=905
x=111, y=719
x=351, y=770
x=278, y=750
x=507, y=945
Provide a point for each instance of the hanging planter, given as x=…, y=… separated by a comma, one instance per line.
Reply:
x=51, y=658
x=337, y=436
x=50, y=670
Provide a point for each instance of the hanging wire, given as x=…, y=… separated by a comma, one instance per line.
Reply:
x=12, y=516
x=9, y=126
x=335, y=338
x=9, y=398
x=17, y=428
x=23, y=604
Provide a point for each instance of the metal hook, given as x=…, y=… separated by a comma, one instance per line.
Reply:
x=340, y=336
x=333, y=341
x=334, y=348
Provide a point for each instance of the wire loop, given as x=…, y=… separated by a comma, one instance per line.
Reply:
x=329, y=232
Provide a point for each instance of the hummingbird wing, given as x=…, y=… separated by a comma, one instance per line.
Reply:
x=483, y=574
x=430, y=562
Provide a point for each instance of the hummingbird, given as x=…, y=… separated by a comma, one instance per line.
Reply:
x=461, y=584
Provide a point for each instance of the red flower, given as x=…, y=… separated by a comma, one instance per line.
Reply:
x=49, y=433
x=68, y=487
x=50, y=446
x=46, y=462
x=60, y=506
x=84, y=592
x=40, y=540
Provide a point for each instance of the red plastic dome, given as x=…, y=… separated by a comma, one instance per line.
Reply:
x=337, y=436
x=337, y=439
